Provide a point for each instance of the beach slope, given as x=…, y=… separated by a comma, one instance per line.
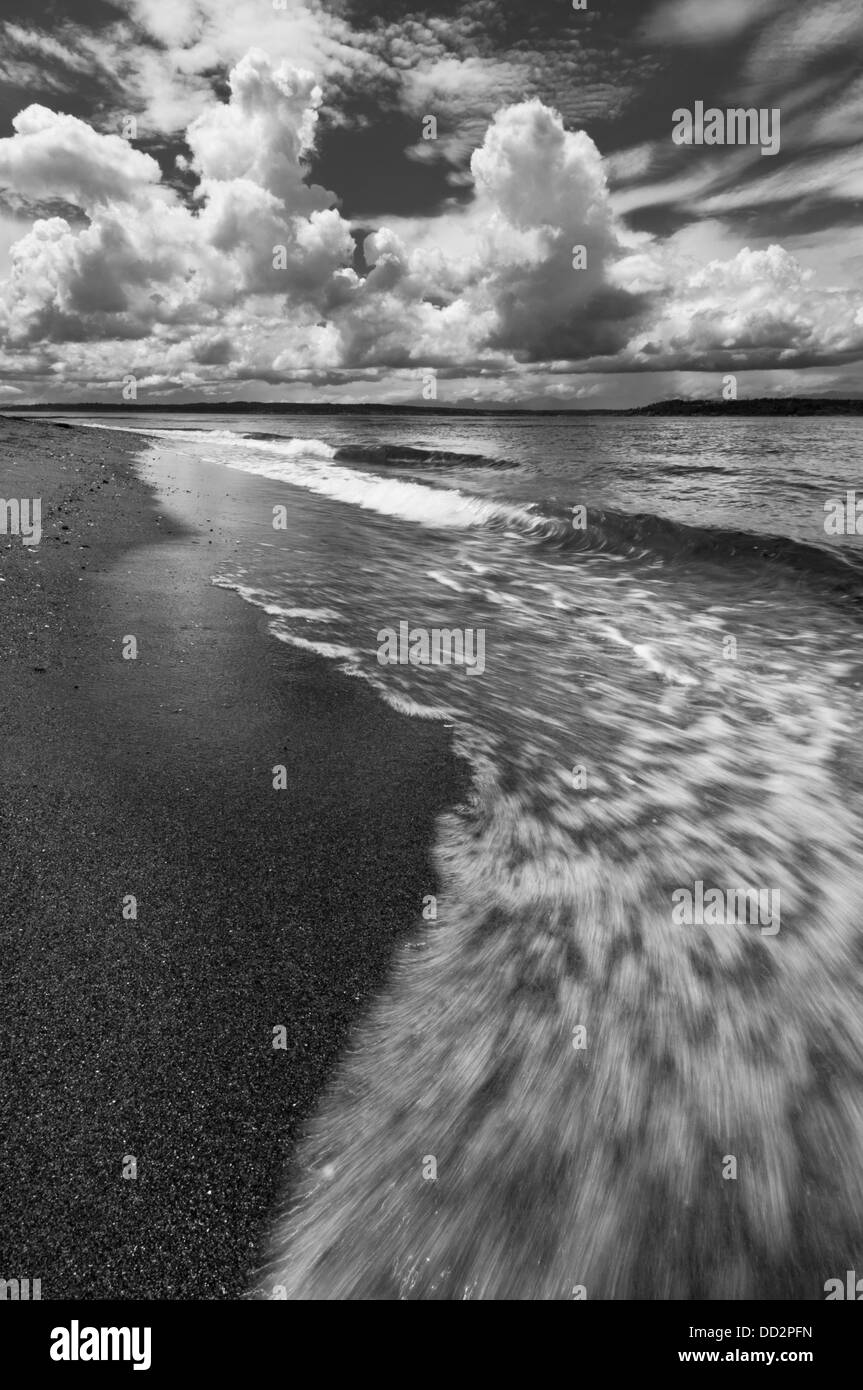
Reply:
x=145, y=1116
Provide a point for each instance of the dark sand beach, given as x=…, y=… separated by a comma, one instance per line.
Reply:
x=256, y=908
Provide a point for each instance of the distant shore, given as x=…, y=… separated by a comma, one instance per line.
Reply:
x=151, y=1039
x=760, y=405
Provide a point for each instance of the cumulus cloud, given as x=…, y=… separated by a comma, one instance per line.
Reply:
x=498, y=276
x=197, y=37
x=56, y=156
x=542, y=192
x=263, y=133
x=144, y=261
x=255, y=277
x=494, y=278
x=758, y=309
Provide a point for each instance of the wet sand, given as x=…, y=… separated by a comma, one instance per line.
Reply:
x=152, y=1038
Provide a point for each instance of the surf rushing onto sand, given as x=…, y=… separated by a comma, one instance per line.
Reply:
x=543, y=1102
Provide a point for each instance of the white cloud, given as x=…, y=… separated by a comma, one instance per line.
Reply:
x=705, y=21
x=56, y=156
x=802, y=33
x=832, y=175
x=149, y=285
x=144, y=260
x=201, y=36
x=757, y=309
x=263, y=133
x=499, y=272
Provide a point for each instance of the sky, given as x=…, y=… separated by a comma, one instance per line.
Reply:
x=353, y=202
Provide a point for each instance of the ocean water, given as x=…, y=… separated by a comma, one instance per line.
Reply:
x=670, y=694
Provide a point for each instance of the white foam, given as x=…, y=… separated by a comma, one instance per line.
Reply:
x=261, y=598
x=432, y=507
x=446, y=580
x=289, y=447
x=309, y=615
x=307, y=463
x=646, y=655
x=334, y=650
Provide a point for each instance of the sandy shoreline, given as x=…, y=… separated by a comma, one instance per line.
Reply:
x=152, y=1038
